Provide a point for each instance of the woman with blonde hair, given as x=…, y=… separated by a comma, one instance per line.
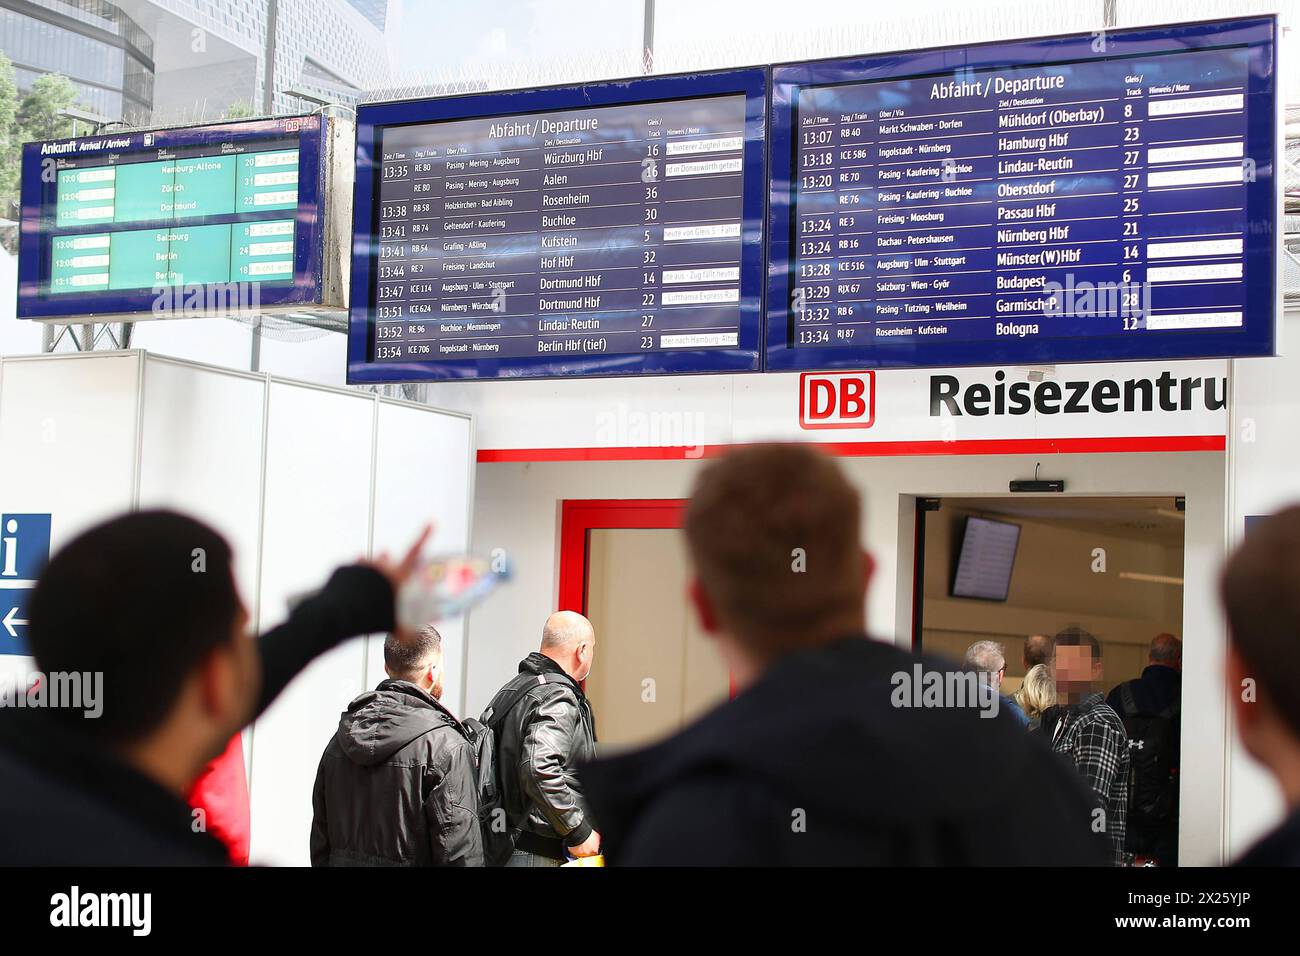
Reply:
x=1037, y=693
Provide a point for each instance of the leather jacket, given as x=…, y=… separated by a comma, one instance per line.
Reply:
x=541, y=742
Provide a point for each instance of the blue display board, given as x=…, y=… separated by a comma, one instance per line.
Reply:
x=179, y=221
x=1109, y=196
x=607, y=229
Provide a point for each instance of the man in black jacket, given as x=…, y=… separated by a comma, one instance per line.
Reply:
x=1260, y=590
x=820, y=759
x=545, y=730
x=1151, y=708
x=149, y=601
x=396, y=785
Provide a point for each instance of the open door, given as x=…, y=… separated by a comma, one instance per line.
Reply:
x=623, y=564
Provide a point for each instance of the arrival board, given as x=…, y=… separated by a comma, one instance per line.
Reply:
x=597, y=239
x=1108, y=196
x=123, y=220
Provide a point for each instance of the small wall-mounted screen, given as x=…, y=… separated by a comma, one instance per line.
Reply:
x=988, y=554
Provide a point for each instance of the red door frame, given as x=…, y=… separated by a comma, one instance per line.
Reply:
x=577, y=517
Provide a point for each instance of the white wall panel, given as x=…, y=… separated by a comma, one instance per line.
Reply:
x=1265, y=477
x=68, y=429
x=201, y=453
x=317, y=516
x=423, y=472
x=90, y=436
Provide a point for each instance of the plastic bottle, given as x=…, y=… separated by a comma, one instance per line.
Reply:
x=448, y=586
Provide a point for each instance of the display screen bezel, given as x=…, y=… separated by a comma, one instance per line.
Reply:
x=1262, y=249
x=39, y=195
x=373, y=119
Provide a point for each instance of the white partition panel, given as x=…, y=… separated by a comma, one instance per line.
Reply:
x=299, y=478
x=201, y=453
x=68, y=437
x=424, y=466
x=317, y=516
x=68, y=434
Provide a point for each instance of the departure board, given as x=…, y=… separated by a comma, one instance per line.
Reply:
x=125, y=221
x=601, y=230
x=1099, y=197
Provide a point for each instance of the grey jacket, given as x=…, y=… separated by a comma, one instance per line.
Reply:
x=541, y=742
x=396, y=785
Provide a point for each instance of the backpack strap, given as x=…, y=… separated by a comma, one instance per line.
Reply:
x=1129, y=701
x=1174, y=709
x=493, y=716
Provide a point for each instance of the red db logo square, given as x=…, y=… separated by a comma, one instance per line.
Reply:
x=837, y=399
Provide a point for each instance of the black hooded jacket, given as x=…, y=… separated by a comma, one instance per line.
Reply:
x=396, y=785
x=815, y=765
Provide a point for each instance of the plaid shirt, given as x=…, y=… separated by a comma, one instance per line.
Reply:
x=1093, y=736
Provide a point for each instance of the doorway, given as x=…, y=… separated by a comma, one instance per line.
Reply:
x=623, y=564
x=999, y=569
x=1003, y=568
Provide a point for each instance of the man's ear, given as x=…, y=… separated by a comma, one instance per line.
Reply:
x=868, y=568
x=218, y=678
x=704, y=609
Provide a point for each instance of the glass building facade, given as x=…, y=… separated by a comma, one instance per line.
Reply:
x=105, y=54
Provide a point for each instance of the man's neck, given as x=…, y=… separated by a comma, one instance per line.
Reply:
x=162, y=763
x=562, y=665
x=748, y=668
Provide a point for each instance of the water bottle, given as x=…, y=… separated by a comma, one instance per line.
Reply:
x=448, y=586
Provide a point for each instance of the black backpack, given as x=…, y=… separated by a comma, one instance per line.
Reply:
x=1153, y=742
x=493, y=817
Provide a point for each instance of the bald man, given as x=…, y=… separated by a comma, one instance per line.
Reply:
x=1038, y=650
x=544, y=731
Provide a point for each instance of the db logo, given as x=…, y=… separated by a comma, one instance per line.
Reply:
x=837, y=399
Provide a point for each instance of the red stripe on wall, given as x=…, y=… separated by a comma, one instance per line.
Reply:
x=990, y=446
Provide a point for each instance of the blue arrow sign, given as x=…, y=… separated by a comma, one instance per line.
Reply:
x=13, y=618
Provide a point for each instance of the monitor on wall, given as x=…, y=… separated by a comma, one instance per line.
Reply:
x=193, y=221
x=1107, y=196
x=614, y=228
x=986, y=559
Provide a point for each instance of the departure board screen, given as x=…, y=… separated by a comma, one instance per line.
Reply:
x=1099, y=197
x=595, y=231
x=125, y=221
